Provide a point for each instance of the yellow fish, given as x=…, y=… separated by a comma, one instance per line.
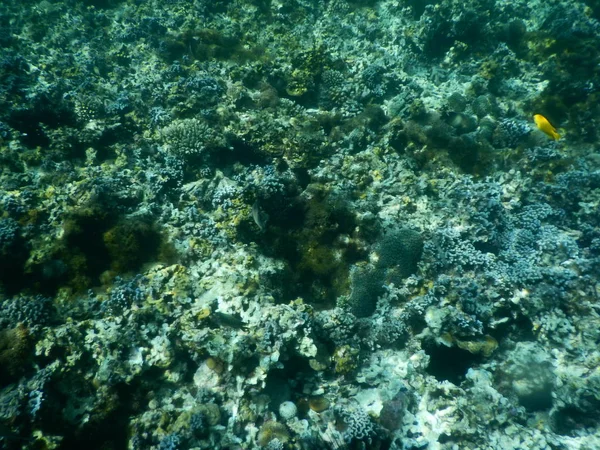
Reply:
x=543, y=124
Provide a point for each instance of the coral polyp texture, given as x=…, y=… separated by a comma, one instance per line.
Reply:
x=298, y=225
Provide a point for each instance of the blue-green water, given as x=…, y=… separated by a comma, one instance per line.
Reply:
x=245, y=224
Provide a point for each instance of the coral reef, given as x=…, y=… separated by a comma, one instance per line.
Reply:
x=296, y=225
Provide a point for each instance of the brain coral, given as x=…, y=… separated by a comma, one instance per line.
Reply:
x=400, y=249
x=367, y=285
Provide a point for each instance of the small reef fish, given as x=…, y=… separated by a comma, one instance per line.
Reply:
x=544, y=125
x=260, y=217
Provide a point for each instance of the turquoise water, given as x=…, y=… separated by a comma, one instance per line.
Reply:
x=299, y=225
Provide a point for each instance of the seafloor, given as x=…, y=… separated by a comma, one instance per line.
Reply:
x=299, y=224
